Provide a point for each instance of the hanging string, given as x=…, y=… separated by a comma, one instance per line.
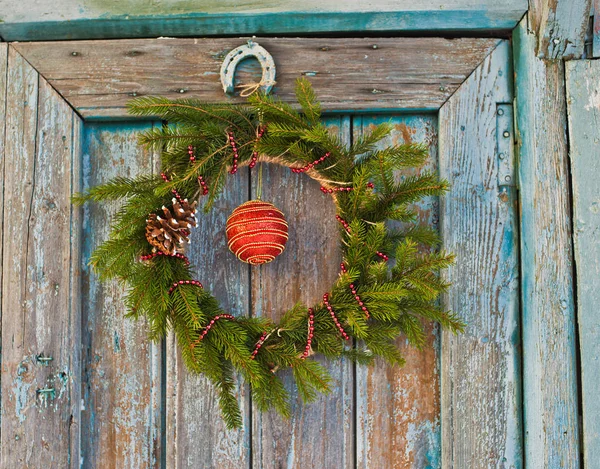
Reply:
x=260, y=182
x=251, y=88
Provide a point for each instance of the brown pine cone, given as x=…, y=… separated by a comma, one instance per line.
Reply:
x=169, y=232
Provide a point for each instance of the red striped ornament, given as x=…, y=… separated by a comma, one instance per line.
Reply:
x=256, y=232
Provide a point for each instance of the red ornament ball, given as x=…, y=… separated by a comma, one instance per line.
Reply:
x=256, y=232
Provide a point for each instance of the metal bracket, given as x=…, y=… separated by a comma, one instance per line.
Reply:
x=505, y=145
x=251, y=49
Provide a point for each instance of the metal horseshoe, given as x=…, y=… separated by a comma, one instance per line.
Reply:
x=251, y=49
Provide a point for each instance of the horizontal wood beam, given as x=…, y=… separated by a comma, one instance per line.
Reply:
x=35, y=20
x=98, y=78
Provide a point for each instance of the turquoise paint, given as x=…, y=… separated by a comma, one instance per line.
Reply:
x=295, y=22
x=583, y=91
x=550, y=415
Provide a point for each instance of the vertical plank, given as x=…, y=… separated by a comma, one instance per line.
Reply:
x=3, y=77
x=583, y=98
x=401, y=406
x=560, y=26
x=40, y=322
x=481, y=425
x=121, y=397
x=319, y=434
x=196, y=433
x=549, y=353
x=596, y=29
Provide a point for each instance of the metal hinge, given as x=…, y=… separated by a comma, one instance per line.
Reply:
x=505, y=145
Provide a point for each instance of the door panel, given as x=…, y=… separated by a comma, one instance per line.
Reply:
x=401, y=406
x=121, y=417
x=318, y=434
x=196, y=434
x=481, y=377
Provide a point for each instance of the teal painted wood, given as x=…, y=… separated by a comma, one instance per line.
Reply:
x=561, y=26
x=480, y=373
x=196, y=433
x=549, y=355
x=596, y=29
x=33, y=20
x=401, y=405
x=319, y=434
x=121, y=415
x=41, y=369
x=583, y=93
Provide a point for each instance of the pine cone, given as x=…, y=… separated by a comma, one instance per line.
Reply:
x=168, y=233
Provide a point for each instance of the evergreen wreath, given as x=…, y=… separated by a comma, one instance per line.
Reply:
x=373, y=301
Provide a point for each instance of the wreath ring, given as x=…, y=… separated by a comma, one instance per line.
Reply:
x=389, y=279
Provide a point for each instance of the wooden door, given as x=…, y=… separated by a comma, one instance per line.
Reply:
x=84, y=386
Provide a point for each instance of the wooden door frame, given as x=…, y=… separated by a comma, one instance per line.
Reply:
x=41, y=55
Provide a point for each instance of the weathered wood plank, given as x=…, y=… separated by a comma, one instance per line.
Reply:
x=99, y=77
x=3, y=79
x=401, y=406
x=547, y=304
x=196, y=433
x=41, y=375
x=560, y=26
x=122, y=381
x=481, y=425
x=319, y=434
x=583, y=99
x=596, y=29
x=34, y=20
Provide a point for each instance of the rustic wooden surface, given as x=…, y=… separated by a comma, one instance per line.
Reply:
x=401, y=406
x=596, y=29
x=98, y=77
x=40, y=314
x=320, y=434
x=549, y=355
x=121, y=414
x=35, y=20
x=481, y=425
x=583, y=93
x=196, y=434
x=561, y=26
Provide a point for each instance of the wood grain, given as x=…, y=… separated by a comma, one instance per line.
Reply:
x=481, y=425
x=401, y=406
x=99, y=77
x=35, y=20
x=319, y=434
x=41, y=374
x=196, y=433
x=560, y=26
x=122, y=379
x=596, y=29
x=549, y=354
x=583, y=101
